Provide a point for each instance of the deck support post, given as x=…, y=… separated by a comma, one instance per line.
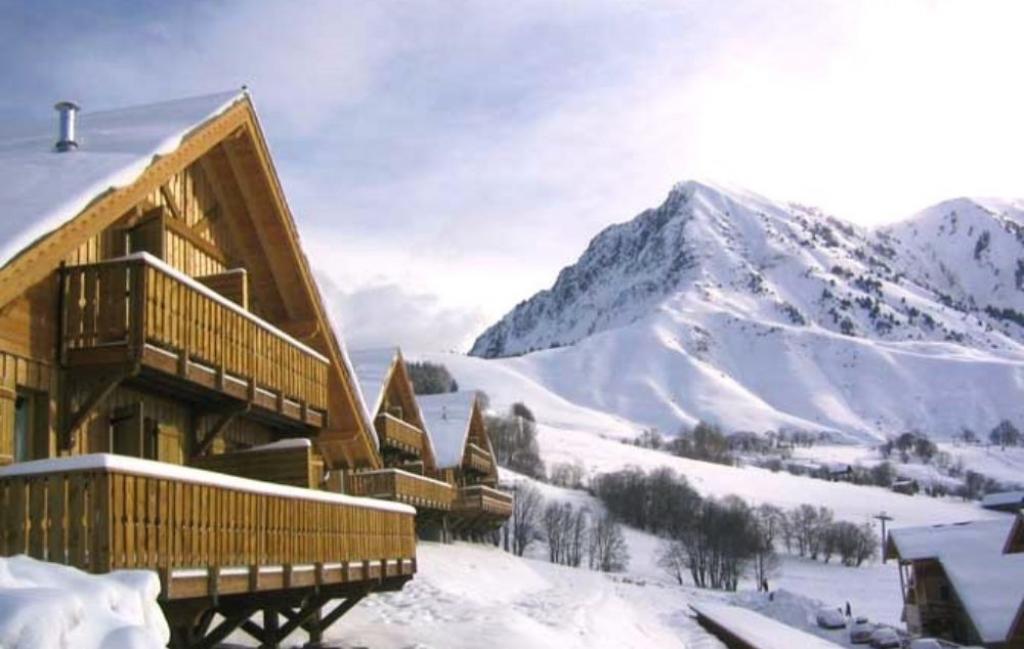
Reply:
x=223, y=421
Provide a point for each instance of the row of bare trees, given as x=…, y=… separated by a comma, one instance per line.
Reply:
x=572, y=533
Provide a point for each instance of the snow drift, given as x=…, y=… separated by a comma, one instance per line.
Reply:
x=49, y=606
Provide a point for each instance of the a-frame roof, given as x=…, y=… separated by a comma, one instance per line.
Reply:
x=382, y=369
x=450, y=420
x=42, y=190
x=53, y=201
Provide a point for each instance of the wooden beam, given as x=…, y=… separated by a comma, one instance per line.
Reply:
x=225, y=628
x=181, y=229
x=98, y=396
x=225, y=419
x=172, y=203
x=342, y=608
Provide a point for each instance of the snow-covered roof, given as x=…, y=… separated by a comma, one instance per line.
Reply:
x=758, y=630
x=989, y=584
x=136, y=466
x=1003, y=499
x=446, y=417
x=42, y=189
x=373, y=367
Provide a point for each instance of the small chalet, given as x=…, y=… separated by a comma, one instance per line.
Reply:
x=173, y=396
x=410, y=465
x=465, y=459
x=963, y=582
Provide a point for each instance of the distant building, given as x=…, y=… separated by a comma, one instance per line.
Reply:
x=963, y=582
x=1004, y=501
x=908, y=487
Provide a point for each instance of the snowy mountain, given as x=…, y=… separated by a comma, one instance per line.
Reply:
x=724, y=305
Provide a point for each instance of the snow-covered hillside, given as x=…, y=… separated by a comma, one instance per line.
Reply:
x=725, y=306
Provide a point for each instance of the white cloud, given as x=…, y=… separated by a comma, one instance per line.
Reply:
x=459, y=154
x=386, y=315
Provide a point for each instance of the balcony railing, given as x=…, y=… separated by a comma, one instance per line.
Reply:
x=399, y=435
x=203, y=532
x=290, y=462
x=484, y=501
x=477, y=459
x=138, y=308
x=403, y=487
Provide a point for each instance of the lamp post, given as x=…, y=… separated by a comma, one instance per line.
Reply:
x=884, y=518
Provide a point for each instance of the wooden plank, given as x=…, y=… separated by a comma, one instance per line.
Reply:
x=57, y=534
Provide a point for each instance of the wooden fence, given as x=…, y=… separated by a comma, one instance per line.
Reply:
x=399, y=434
x=400, y=486
x=105, y=519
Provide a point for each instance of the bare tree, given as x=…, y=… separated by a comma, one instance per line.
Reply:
x=522, y=525
x=578, y=537
x=672, y=558
x=768, y=523
x=557, y=521
x=607, y=549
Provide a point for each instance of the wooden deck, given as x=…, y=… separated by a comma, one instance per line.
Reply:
x=399, y=435
x=479, y=508
x=477, y=459
x=206, y=534
x=298, y=466
x=401, y=486
x=138, y=311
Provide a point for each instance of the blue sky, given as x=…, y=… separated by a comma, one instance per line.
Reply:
x=445, y=159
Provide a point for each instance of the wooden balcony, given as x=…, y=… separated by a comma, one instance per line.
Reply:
x=138, y=311
x=403, y=487
x=399, y=435
x=477, y=459
x=290, y=462
x=206, y=534
x=483, y=502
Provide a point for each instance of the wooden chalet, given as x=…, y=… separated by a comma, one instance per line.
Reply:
x=465, y=459
x=410, y=474
x=963, y=582
x=172, y=393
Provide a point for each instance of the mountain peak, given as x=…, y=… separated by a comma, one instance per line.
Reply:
x=721, y=304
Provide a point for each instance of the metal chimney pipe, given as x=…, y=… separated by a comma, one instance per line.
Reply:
x=66, y=137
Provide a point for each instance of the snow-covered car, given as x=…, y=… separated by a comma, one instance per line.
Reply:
x=885, y=638
x=831, y=618
x=860, y=632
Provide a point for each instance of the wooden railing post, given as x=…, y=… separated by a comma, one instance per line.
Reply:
x=137, y=308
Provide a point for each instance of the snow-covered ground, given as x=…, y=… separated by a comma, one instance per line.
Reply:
x=467, y=595
x=47, y=606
